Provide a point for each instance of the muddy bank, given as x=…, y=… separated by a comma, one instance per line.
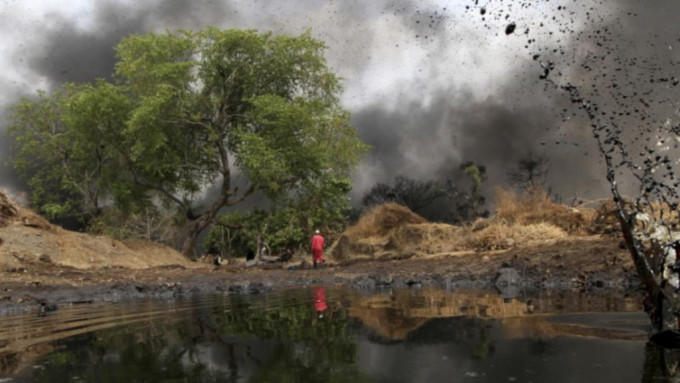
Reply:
x=587, y=264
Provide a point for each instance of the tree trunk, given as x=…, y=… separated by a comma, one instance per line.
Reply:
x=661, y=300
x=258, y=244
x=195, y=228
x=204, y=220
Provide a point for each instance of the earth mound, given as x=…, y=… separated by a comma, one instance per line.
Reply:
x=28, y=240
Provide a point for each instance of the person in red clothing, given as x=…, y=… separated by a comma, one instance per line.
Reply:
x=317, y=248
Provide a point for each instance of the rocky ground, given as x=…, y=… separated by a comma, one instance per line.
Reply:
x=43, y=267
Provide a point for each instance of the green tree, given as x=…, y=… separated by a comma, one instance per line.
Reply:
x=287, y=225
x=474, y=200
x=67, y=146
x=191, y=109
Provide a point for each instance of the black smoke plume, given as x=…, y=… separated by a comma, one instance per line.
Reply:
x=426, y=123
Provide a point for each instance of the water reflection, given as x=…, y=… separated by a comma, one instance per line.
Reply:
x=328, y=334
x=320, y=304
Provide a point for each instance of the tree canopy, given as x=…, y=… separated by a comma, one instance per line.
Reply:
x=236, y=111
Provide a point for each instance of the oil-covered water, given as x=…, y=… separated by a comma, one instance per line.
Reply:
x=324, y=334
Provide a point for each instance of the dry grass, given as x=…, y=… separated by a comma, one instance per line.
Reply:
x=535, y=206
x=520, y=220
x=10, y=211
x=482, y=235
x=498, y=235
x=381, y=219
x=371, y=234
x=7, y=209
x=426, y=238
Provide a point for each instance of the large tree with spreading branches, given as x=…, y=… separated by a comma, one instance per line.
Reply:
x=235, y=111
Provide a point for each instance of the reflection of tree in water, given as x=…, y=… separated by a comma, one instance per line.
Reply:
x=484, y=346
x=242, y=342
x=132, y=353
x=660, y=363
x=306, y=347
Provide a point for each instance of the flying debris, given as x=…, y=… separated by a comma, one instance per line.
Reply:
x=510, y=28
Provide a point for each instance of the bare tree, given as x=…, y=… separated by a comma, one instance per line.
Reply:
x=530, y=172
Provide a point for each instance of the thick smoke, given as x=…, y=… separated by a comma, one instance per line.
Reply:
x=601, y=47
x=620, y=57
x=431, y=140
x=71, y=52
x=430, y=85
x=63, y=49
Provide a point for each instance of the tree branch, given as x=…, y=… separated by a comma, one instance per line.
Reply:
x=243, y=196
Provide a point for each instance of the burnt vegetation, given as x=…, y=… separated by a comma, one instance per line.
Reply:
x=455, y=200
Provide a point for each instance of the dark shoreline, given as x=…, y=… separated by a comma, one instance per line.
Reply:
x=17, y=298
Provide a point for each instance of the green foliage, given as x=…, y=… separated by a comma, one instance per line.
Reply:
x=324, y=346
x=235, y=233
x=41, y=152
x=286, y=225
x=257, y=338
x=184, y=111
x=476, y=176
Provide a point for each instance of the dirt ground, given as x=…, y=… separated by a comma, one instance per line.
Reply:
x=42, y=265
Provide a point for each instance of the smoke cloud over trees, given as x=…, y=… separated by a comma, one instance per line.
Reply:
x=430, y=85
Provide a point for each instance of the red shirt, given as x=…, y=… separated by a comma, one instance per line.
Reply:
x=317, y=242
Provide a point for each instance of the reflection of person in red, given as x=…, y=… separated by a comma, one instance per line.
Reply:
x=317, y=248
x=320, y=300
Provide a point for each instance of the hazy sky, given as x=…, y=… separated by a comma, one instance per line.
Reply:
x=430, y=83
